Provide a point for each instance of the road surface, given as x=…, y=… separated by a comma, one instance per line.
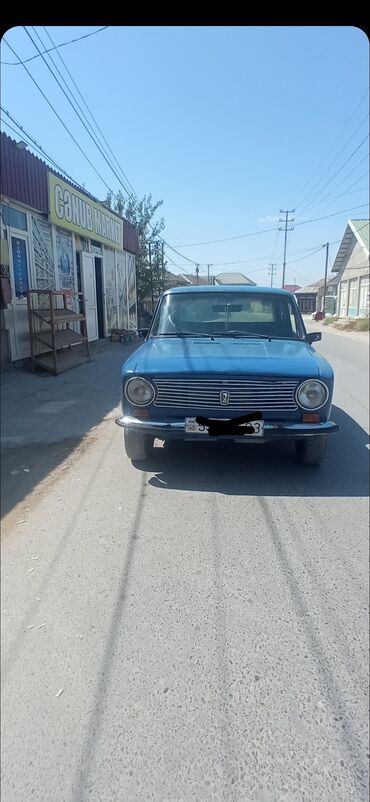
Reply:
x=197, y=631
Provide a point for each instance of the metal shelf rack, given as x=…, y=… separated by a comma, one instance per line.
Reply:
x=58, y=334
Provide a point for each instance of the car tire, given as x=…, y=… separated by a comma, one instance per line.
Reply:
x=311, y=450
x=138, y=446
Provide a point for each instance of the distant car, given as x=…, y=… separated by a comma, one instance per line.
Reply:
x=227, y=363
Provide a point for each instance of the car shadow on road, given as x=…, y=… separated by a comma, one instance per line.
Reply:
x=265, y=469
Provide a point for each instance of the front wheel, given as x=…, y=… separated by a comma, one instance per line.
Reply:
x=138, y=446
x=311, y=450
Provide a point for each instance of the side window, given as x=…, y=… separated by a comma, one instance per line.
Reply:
x=294, y=314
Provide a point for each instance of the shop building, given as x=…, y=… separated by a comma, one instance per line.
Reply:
x=56, y=236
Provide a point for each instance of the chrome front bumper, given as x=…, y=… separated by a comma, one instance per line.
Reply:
x=161, y=429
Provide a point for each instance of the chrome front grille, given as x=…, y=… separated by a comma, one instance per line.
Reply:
x=243, y=394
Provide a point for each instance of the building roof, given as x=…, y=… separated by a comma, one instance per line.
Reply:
x=291, y=287
x=176, y=278
x=233, y=288
x=310, y=289
x=195, y=280
x=360, y=229
x=355, y=228
x=234, y=278
x=316, y=286
x=24, y=178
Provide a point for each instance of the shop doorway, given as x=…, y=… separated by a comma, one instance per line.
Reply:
x=99, y=295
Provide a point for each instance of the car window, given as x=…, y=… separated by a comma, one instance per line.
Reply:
x=216, y=313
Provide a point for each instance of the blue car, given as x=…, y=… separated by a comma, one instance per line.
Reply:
x=227, y=363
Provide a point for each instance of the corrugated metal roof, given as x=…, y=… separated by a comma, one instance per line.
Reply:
x=24, y=178
x=23, y=175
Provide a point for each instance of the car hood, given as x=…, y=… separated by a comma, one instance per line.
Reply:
x=219, y=356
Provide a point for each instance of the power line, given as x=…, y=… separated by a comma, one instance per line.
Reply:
x=62, y=44
x=333, y=162
x=36, y=146
x=334, y=214
x=43, y=152
x=133, y=198
x=62, y=122
x=332, y=147
x=96, y=143
x=342, y=181
x=335, y=174
x=228, y=239
x=91, y=114
x=191, y=261
x=267, y=230
x=347, y=191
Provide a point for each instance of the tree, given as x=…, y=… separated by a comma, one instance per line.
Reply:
x=141, y=213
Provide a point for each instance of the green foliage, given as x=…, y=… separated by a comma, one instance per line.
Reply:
x=142, y=213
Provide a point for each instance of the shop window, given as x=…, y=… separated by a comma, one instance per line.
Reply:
x=352, y=297
x=64, y=252
x=13, y=217
x=43, y=255
x=343, y=299
x=364, y=297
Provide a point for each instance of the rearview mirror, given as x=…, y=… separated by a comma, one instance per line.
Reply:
x=228, y=306
x=313, y=337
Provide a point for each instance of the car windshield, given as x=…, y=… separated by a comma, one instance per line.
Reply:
x=227, y=314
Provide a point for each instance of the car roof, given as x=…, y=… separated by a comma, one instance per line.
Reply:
x=227, y=288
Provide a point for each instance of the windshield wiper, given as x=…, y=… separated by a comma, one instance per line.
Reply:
x=247, y=334
x=185, y=334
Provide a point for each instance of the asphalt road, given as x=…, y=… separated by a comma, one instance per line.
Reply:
x=196, y=631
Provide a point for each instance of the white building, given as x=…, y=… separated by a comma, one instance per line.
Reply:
x=352, y=268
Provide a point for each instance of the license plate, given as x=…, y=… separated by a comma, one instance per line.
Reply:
x=192, y=427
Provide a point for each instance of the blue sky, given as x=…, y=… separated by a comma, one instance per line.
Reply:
x=227, y=125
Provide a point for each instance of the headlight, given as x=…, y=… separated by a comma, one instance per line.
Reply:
x=139, y=391
x=312, y=394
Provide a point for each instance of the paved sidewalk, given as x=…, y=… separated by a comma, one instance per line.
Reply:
x=356, y=336
x=42, y=408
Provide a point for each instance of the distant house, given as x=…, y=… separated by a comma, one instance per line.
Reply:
x=291, y=287
x=307, y=296
x=351, y=267
x=311, y=298
x=146, y=305
x=191, y=279
x=173, y=280
x=234, y=278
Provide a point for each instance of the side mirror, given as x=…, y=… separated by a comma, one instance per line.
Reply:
x=313, y=337
x=143, y=333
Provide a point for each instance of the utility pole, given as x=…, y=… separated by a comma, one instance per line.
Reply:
x=197, y=273
x=326, y=274
x=287, y=212
x=208, y=266
x=163, y=273
x=272, y=271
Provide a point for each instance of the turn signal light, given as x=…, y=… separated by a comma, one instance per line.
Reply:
x=311, y=417
x=141, y=412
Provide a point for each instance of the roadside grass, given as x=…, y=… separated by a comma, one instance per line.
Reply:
x=348, y=325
